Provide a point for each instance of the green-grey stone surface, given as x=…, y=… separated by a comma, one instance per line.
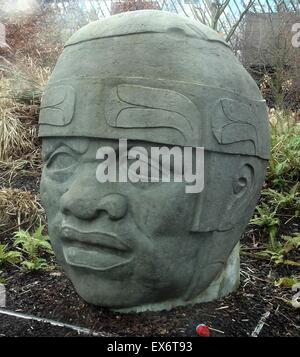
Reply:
x=156, y=79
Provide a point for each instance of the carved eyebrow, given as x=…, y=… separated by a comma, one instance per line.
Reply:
x=135, y=106
x=50, y=148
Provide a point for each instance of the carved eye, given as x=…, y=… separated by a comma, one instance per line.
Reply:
x=143, y=178
x=61, y=161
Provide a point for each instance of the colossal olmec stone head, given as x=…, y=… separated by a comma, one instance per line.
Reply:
x=157, y=80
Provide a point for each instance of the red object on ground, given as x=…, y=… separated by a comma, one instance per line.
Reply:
x=203, y=330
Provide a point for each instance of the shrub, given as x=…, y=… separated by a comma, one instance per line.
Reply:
x=33, y=247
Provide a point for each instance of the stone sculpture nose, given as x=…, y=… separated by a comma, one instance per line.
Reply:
x=89, y=208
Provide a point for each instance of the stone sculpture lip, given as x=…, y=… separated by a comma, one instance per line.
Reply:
x=94, y=238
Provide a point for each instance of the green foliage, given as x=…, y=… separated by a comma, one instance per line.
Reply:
x=33, y=248
x=286, y=282
x=284, y=166
x=2, y=280
x=280, y=253
x=291, y=243
x=33, y=244
x=36, y=264
x=280, y=200
x=6, y=256
x=267, y=220
x=284, y=200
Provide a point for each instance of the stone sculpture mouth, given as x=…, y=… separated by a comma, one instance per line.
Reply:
x=94, y=250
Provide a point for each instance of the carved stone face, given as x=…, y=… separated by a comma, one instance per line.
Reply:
x=122, y=244
x=127, y=245
x=138, y=246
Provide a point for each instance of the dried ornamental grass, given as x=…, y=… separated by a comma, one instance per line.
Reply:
x=14, y=139
x=19, y=209
x=9, y=170
x=23, y=80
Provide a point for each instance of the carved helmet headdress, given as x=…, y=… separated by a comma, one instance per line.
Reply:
x=169, y=74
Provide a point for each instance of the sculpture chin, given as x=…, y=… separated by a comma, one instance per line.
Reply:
x=225, y=283
x=103, y=294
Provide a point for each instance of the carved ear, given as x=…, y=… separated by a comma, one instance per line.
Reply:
x=232, y=188
x=244, y=193
x=243, y=181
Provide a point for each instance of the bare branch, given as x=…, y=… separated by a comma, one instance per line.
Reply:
x=237, y=24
